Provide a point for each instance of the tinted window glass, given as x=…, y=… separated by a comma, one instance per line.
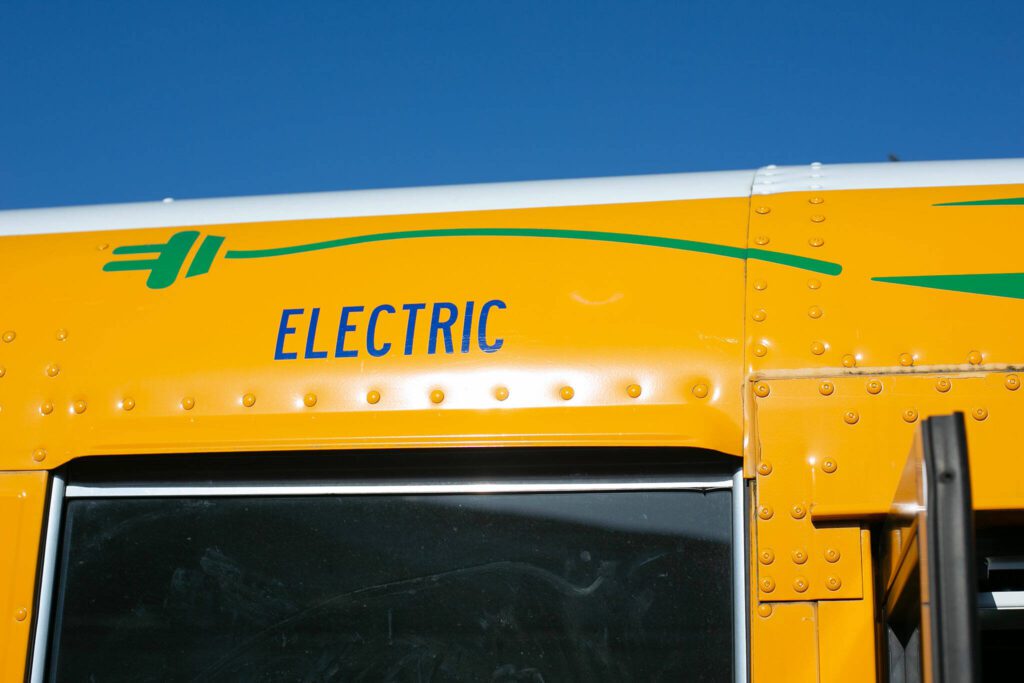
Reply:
x=512, y=587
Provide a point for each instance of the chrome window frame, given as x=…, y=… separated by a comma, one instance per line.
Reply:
x=60, y=491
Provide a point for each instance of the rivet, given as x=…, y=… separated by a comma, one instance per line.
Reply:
x=762, y=210
x=874, y=386
x=979, y=414
x=850, y=417
x=814, y=312
x=103, y=247
x=764, y=610
x=906, y=360
x=39, y=454
x=910, y=415
x=249, y=400
x=501, y=393
x=760, y=350
x=46, y=408
x=799, y=584
x=832, y=555
x=817, y=348
x=765, y=512
x=566, y=393
x=9, y=336
x=634, y=390
x=816, y=242
x=759, y=315
x=372, y=397
x=766, y=556
x=798, y=511
x=3, y=371
x=826, y=388
x=974, y=358
x=762, y=240
x=760, y=285
x=828, y=465
x=62, y=335
x=833, y=583
x=849, y=361
x=309, y=400
x=761, y=389
x=700, y=390
x=128, y=403
x=188, y=403
x=52, y=370
x=1012, y=381
x=943, y=384
x=21, y=614
x=813, y=284
x=815, y=200
x=436, y=396
x=79, y=407
x=767, y=584
x=765, y=468
x=799, y=556
x=817, y=218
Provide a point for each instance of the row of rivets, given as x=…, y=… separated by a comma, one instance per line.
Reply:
x=372, y=397
x=799, y=556
x=10, y=335
x=800, y=585
x=46, y=407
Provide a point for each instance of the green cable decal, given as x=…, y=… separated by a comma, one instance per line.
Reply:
x=166, y=260
x=801, y=262
x=1010, y=285
x=1008, y=201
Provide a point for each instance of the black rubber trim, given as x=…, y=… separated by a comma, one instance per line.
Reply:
x=950, y=538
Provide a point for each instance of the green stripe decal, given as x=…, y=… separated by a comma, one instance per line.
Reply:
x=791, y=260
x=1010, y=285
x=1008, y=201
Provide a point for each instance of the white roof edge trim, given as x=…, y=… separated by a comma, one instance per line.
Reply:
x=770, y=180
x=388, y=202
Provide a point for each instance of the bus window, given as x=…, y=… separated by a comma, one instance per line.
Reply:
x=537, y=583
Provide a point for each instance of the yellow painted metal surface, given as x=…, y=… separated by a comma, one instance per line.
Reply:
x=811, y=323
x=582, y=317
x=815, y=374
x=847, y=631
x=784, y=642
x=22, y=500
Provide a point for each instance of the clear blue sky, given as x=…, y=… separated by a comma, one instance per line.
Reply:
x=126, y=101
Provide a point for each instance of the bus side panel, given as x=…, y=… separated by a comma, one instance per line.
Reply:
x=784, y=642
x=846, y=630
x=22, y=501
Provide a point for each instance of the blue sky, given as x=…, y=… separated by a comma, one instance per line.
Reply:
x=128, y=101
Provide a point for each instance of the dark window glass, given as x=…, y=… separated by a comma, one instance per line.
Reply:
x=512, y=587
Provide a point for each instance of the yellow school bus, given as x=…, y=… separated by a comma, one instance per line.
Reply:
x=753, y=425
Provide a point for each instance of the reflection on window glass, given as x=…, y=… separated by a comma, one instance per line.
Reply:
x=513, y=587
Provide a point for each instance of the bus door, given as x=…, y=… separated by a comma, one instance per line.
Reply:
x=928, y=562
